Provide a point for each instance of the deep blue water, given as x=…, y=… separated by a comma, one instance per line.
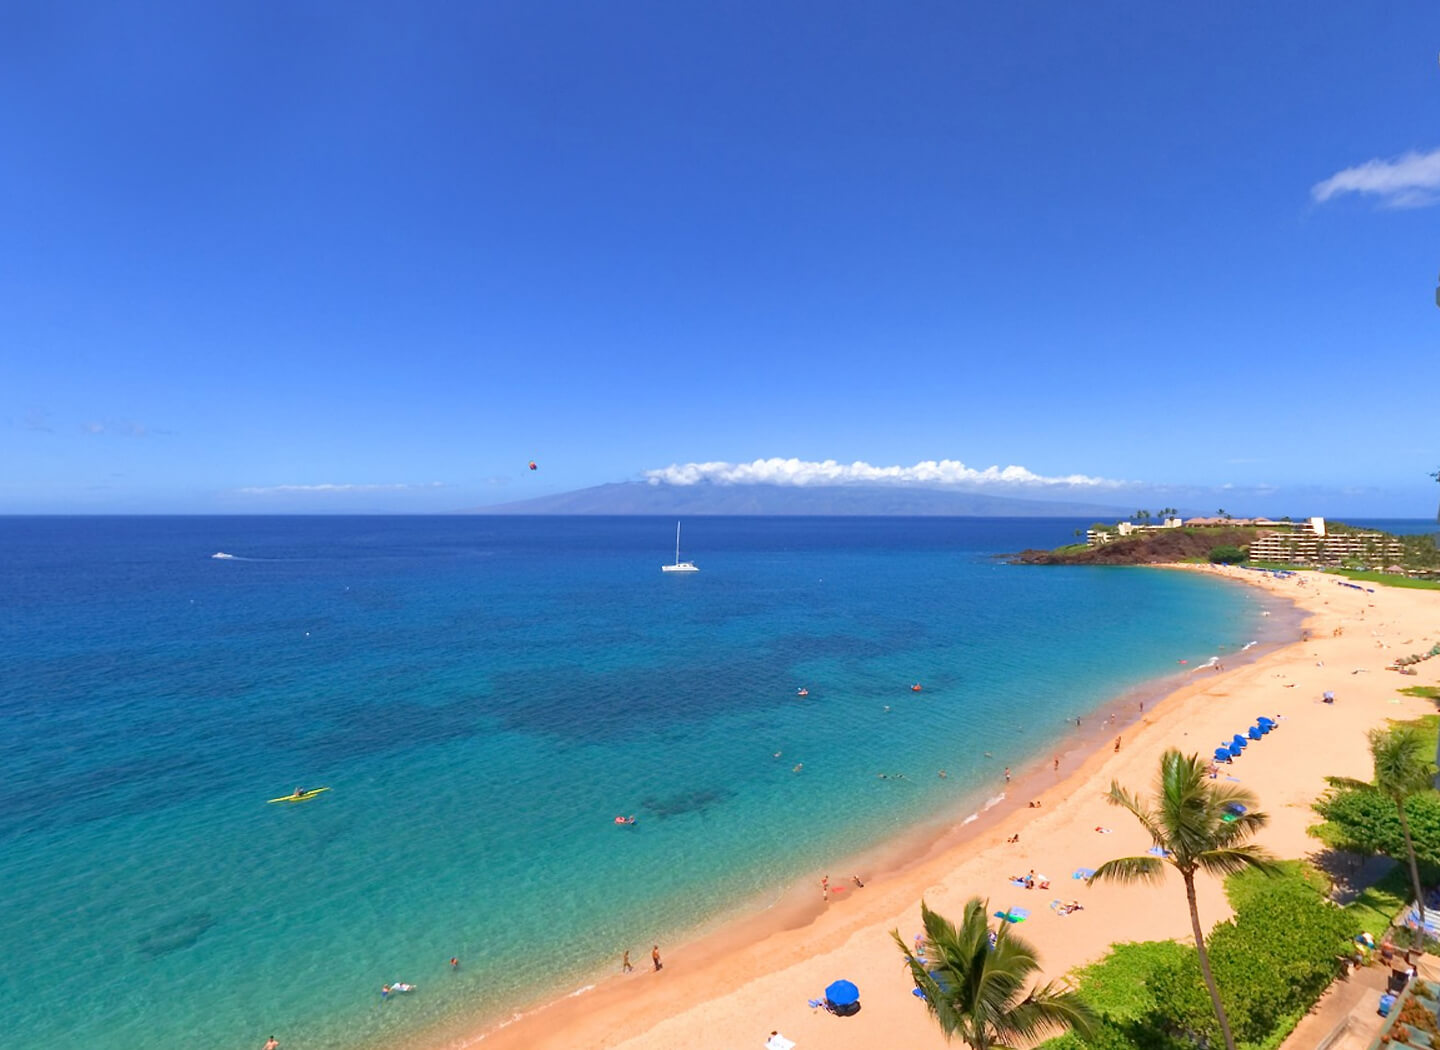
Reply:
x=483, y=696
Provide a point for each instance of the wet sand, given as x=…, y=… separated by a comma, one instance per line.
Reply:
x=731, y=987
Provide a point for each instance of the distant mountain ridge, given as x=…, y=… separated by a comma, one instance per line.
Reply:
x=638, y=497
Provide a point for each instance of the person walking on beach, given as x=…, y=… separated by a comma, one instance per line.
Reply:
x=1057, y=763
x=655, y=957
x=825, y=888
x=625, y=966
x=1007, y=774
x=1117, y=745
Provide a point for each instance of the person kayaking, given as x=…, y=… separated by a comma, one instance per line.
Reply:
x=298, y=792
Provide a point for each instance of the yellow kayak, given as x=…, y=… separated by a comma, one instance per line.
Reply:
x=304, y=796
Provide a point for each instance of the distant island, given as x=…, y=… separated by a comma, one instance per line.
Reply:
x=709, y=498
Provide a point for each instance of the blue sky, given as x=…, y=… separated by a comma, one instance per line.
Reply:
x=300, y=257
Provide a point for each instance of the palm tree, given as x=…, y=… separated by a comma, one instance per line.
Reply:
x=1201, y=825
x=1402, y=770
x=974, y=982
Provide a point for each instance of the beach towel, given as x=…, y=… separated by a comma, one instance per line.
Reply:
x=1083, y=873
x=779, y=1042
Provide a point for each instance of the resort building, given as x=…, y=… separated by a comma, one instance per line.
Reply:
x=1311, y=545
x=1303, y=541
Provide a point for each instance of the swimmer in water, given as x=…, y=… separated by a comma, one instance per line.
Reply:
x=798, y=766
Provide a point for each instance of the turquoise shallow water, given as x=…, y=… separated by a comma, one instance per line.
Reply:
x=484, y=696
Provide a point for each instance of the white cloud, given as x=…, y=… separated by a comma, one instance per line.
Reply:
x=1409, y=181
x=802, y=472
x=285, y=490
x=122, y=427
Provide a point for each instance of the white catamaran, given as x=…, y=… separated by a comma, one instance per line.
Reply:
x=679, y=566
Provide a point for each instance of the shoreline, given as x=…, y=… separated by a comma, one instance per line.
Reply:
x=763, y=941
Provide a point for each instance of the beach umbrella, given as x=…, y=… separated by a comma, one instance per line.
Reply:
x=1265, y=720
x=843, y=997
x=1235, y=750
x=1255, y=733
x=1238, y=740
x=1222, y=754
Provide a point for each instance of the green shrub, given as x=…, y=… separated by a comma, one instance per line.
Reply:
x=1271, y=962
x=1227, y=555
x=1361, y=820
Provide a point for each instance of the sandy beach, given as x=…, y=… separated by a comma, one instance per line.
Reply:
x=732, y=988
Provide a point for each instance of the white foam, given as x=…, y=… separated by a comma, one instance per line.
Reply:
x=223, y=555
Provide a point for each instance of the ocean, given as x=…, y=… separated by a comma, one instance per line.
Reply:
x=483, y=696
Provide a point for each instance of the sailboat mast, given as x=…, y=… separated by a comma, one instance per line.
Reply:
x=677, y=543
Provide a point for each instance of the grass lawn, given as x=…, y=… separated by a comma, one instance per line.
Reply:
x=1386, y=579
x=1381, y=902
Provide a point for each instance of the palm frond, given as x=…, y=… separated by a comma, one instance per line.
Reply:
x=1401, y=759
x=1235, y=859
x=1129, y=869
x=976, y=990
x=1350, y=784
x=1119, y=796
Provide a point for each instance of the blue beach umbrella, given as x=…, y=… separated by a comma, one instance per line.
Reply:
x=842, y=993
x=1222, y=754
x=1264, y=720
x=1255, y=733
x=1238, y=740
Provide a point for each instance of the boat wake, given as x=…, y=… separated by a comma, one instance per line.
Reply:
x=224, y=557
